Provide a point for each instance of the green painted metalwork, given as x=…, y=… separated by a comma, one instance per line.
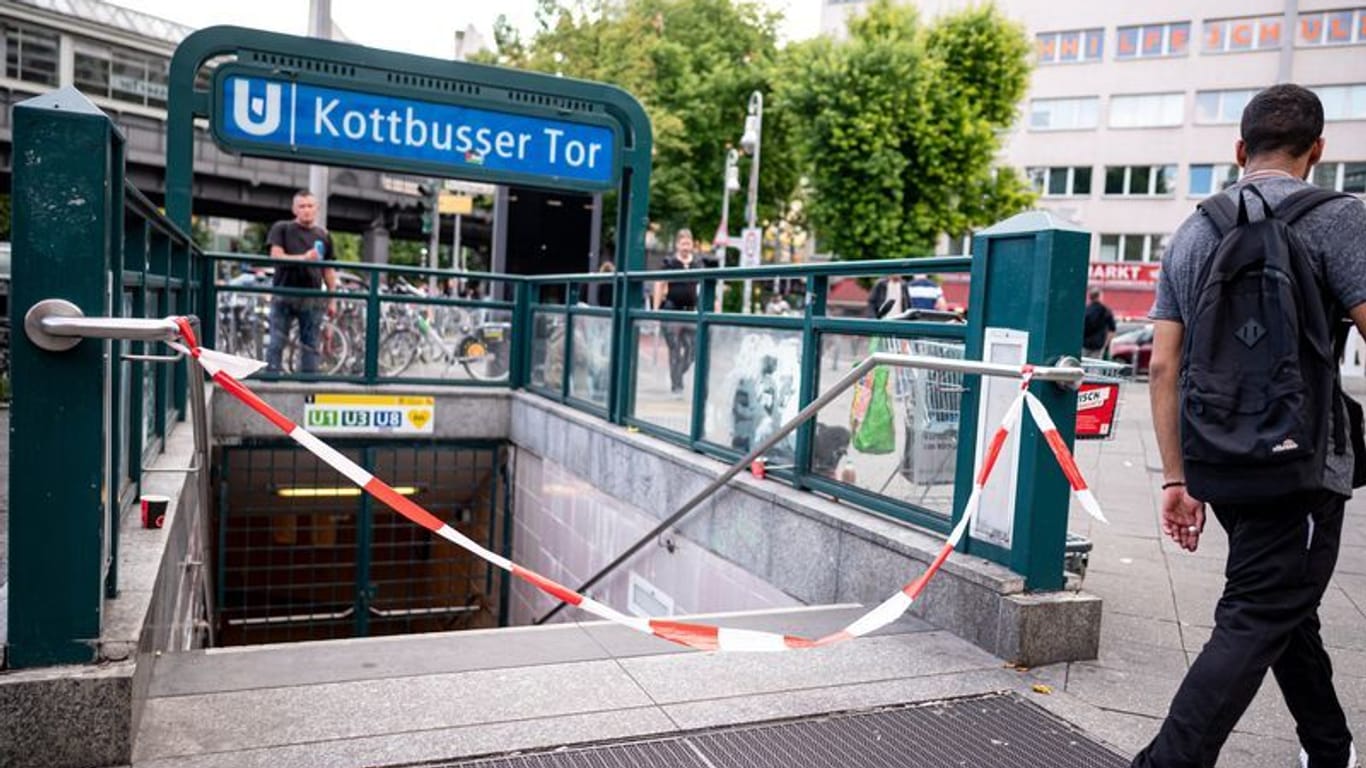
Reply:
x=83, y=234
x=307, y=568
x=1028, y=274
x=434, y=80
x=464, y=87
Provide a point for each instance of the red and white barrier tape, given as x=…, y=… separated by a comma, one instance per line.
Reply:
x=226, y=370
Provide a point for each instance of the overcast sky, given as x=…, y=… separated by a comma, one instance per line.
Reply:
x=414, y=26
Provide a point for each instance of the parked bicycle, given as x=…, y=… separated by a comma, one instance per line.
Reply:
x=441, y=335
x=244, y=328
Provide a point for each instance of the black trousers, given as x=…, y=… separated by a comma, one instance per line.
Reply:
x=1281, y=555
x=680, y=340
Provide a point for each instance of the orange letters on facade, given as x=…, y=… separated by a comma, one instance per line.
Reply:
x=1269, y=36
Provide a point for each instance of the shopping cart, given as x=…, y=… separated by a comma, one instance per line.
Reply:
x=930, y=402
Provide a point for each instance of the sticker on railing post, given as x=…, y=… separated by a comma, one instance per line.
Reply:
x=223, y=369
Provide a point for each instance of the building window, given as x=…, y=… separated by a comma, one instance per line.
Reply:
x=1342, y=102
x=30, y=54
x=1152, y=40
x=1071, y=47
x=120, y=74
x=1343, y=177
x=1221, y=107
x=1249, y=34
x=1205, y=180
x=1140, y=180
x=1061, y=181
x=1154, y=110
x=1064, y=114
x=1131, y=247
x=1332, y=28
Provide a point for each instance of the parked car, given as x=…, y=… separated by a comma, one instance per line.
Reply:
x=1134, y=348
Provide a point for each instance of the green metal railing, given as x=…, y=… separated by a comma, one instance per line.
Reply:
x=84, y=421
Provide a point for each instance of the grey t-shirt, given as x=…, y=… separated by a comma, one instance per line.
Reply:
x=1334, y=234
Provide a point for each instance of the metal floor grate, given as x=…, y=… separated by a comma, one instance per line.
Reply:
x=996, y=731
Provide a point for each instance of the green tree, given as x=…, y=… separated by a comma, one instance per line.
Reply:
x=900, y=126
x=693, y=65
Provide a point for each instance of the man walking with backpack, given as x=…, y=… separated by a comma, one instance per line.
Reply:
x=1250, y=418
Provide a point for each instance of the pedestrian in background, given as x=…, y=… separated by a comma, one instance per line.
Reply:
x=890, y=297
x=925, y=293
x=304, y=241
x=1097, y=328
x=680, y=295
x=1282, y=546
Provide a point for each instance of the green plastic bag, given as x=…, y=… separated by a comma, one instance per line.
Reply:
x=871, y=419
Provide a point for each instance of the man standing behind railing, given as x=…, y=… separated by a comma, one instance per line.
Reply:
x=680, y=295
x=303, y=240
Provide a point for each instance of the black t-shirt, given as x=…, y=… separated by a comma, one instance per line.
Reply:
x=1099, y=321
x=681, y=295
x=296, y=239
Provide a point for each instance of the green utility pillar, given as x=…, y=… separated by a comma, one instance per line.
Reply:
x=67, y=158
x=1026, y=303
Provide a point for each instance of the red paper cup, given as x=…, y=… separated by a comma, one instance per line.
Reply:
x=154, y=510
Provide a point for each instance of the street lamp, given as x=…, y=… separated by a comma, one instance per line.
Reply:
x=730, y=183
x=751, y=141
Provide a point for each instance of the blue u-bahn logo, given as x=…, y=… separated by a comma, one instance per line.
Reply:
x=257, y=114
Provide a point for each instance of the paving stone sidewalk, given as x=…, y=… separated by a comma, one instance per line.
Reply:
x=1159, y=609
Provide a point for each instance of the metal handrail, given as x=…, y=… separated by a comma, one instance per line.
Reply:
x=1068, y=372
x=58, y=325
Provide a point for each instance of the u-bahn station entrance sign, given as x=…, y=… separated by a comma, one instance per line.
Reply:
x=303, y=120
x=330, y=103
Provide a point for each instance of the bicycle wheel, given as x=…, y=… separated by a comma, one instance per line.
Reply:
x=397, y=351
x=477, y=358
x=333, y=349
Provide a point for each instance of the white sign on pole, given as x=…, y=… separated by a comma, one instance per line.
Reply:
x=996, y=516
x=750, y=247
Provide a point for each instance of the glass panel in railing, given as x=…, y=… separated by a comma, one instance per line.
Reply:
x=913, y=295
x=591, y=373
x=663, y=376
x=753, y=387
x=440, y=341
x=895, y=432
x=547, y=351
x=312, y=334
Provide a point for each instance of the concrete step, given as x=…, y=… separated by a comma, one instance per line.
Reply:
x=389, y=701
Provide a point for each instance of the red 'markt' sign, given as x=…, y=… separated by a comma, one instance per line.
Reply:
x=1097, y=405
x=1120, y=272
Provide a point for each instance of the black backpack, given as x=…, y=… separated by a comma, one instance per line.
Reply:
x=1260, y=368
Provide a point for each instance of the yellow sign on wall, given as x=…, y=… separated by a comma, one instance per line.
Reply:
x=370, y=414
x=451, y=205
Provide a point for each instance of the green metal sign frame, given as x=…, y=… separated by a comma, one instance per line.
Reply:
x=455, y=83
x=417, y=96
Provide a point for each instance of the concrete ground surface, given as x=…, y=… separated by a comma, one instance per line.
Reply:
x=1159, y=608
x=389, y=701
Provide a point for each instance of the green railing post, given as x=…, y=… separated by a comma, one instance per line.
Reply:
x=567, y=369
x=701, y=360
x=1028, y=275
x=519, y=371
x=372, y=339
x=817, y=287
x=623, y=348
x=66, y=166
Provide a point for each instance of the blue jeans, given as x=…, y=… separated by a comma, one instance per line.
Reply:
x=309, y=313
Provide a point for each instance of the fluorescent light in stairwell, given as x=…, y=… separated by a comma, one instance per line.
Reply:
x=336, y=492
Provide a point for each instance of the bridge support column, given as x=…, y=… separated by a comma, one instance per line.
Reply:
x=374, y=246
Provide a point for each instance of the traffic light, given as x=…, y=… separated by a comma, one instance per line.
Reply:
x=427, y=205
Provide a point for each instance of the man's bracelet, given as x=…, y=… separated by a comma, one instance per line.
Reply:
x=1174, y=484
